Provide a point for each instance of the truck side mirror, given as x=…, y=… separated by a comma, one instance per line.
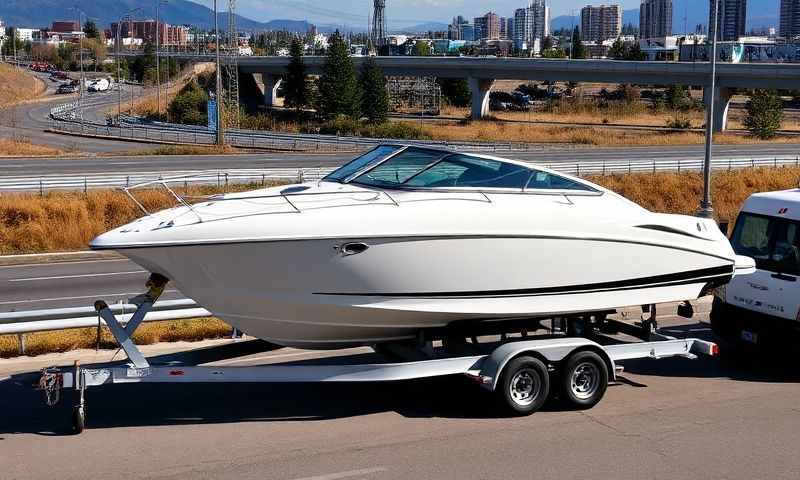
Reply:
x=723, y=227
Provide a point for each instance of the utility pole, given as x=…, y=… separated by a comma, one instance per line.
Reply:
x=158, y=60
x=126, y=16
x=218, y=94
x=706, y=206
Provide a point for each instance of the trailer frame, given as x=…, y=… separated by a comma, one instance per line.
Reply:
x=516, y=370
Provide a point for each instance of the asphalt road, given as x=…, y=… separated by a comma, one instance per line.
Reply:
x=668, y=419
x=31, y=119
x=119, y=164
x=71, y=284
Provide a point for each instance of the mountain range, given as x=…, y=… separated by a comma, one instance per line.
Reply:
x=40, y=13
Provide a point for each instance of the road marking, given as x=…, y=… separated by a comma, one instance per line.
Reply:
x=350, y=474
x=58, y=264
x=54, y=299
x=86, y=275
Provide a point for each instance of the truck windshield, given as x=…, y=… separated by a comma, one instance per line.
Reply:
x=773, y=242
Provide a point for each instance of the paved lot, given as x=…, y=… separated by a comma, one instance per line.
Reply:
x=676, y=418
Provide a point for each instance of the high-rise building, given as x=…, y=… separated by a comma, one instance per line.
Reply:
x=540, y=16
x=507, y=28
x=487, y=27
x=455, y=31
x=531, y=24
x=467, y=32
x=790, y=19
x=600, y=23
x=730, y=20
x=655, y=18
x=523, y=28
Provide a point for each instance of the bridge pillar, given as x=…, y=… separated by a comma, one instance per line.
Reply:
x=722, y=101
x=271, y=84
x=480, y=88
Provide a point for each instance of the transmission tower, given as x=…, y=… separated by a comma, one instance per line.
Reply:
x=231, y=69
x=379, y=23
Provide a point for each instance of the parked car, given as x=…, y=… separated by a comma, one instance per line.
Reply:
x=67, y=88
x=763, y=309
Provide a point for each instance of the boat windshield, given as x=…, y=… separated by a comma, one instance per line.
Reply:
x=373, y=156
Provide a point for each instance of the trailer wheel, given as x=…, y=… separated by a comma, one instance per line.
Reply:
x=524, y=386
x=78, y=420
x=585, y=379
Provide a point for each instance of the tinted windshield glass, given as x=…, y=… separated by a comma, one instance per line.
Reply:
x=399, y=168
x=373, y=156
x=465, y=171
x=549, y=181
x=774, y=243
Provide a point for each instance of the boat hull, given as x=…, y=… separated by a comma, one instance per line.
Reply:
x=308, y=293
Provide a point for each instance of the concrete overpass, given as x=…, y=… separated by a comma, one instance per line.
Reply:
x=482, y=72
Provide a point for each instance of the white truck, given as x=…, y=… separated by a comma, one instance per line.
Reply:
x=763, y=308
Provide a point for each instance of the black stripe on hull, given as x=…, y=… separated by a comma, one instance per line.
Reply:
x=719, y=275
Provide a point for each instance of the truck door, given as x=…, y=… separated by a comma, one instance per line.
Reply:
x=774, y=243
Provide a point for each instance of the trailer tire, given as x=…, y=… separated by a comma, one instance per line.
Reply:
x=523, y=387
x=584, y=380
x=78, y=420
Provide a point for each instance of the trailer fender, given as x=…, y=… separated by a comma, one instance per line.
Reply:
x=549, y=350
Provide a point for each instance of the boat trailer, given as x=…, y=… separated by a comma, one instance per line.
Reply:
x=521, y=372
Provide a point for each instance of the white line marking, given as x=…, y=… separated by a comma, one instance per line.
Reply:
x=54, y=299
x=86, y=275
x=60, y=264
x=351, y=473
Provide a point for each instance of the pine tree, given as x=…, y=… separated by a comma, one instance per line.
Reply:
x=577, y=48
x=90, y=30
x=295, y=82
x=338, y=86
x=764, y=114
x=547, y=43
x=374, y=94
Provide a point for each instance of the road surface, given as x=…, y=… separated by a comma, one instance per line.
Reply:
x=71, y=284
x=669, y=419
x=120, y=164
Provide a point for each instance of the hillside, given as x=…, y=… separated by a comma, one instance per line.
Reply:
x=17, y=85
x=40, y=13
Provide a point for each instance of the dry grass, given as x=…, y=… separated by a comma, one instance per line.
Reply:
x=17, y=86
x=671, y=192
x=189, y=150
x=67, y=221
x=10, y=147
x=489, y=130
x=147, y=334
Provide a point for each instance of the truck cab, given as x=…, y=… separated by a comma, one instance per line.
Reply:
x=763, y=308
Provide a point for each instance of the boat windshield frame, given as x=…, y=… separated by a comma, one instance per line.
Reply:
x=589, y=190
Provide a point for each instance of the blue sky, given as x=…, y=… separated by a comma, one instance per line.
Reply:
x=398, y=12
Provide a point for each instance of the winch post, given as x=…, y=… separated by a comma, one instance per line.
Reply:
x=123, y=334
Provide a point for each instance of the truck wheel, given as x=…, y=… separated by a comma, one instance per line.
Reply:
x=585, y=379
x=524, y=386
x=78, y=420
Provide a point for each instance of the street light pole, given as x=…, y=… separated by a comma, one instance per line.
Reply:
x=218, y=94
x=706, y=206
x=158, y=62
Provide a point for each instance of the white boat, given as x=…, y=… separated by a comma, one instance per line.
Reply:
x=405, y=239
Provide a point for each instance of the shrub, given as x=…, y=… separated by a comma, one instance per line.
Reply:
x=764, y=114
x=190, y=105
